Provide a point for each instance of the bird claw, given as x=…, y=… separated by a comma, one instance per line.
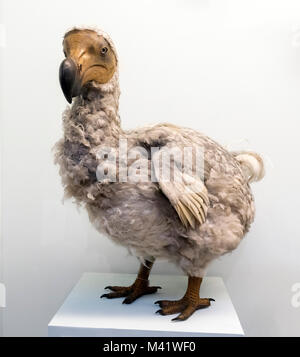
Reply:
x=131, y=298
x=138, y=292
x=158, y=302
x=104, y=295
x=131, y=292
x=116, y=293
x=185, y=306
x=164, y=303
x=177, y=319
x=159, y=312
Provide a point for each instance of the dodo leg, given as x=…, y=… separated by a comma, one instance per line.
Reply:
x=188, y=304
x=139, y=288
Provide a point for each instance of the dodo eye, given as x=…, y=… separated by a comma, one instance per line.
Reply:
x=104, y=50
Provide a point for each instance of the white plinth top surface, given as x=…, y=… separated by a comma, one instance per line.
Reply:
x=83, y=313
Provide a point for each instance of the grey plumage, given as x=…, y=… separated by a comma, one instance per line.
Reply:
x=142, y=216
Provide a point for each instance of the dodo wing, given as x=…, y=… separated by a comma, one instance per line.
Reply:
x=185, y=191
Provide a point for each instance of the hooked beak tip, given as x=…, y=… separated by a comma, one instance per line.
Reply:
x=69, y=79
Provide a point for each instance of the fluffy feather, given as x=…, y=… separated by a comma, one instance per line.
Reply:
x=149, y=219
x=252, y=165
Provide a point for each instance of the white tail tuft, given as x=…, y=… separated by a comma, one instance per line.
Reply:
x=252, y=165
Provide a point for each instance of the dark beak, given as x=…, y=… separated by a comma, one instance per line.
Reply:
x=69, y=79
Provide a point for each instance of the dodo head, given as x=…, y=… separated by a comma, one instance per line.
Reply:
x=90, y=56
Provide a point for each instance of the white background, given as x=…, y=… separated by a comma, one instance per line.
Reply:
x=229, y=68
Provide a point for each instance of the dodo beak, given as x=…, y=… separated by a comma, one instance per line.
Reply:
x=89, y=57
x=69, y=79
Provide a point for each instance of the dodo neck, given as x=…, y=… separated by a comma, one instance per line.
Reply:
x=95, y=115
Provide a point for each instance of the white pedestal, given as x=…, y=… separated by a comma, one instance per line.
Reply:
x=84, y=314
